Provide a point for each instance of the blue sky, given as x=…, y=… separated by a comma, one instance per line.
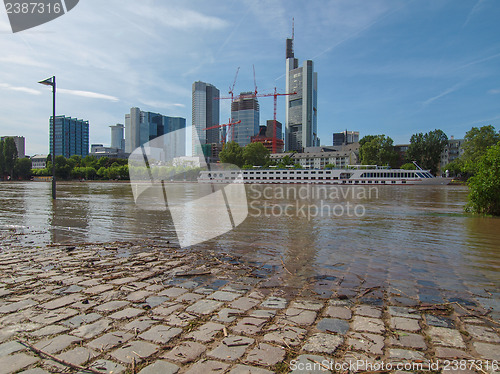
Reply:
x=384, y=66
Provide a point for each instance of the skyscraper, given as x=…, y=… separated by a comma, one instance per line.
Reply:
x=117, y=137
x=301, y=109
x=72, y=137
x=205, y=113
x=245, y=109
x=141, y=127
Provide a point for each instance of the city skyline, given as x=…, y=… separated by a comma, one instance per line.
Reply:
x=385, y=66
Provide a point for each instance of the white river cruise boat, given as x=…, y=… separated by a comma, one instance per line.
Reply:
x=356, y=174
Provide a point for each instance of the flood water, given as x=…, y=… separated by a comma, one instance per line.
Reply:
x=415, y=239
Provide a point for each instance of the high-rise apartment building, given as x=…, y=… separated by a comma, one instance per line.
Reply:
x=205, y=113
x=117, y=137
x=301, y=126
x=20, y=145
x=72, y=137
x=245, y=109
x=141, y=127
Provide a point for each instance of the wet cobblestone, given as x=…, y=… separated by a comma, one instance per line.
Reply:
x=151, y=312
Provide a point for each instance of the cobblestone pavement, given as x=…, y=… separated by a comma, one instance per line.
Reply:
x=146, y=308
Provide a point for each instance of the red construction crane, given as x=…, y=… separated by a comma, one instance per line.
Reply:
x=223, y=125
x=275, y=95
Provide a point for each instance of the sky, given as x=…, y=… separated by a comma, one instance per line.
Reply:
x=393, y=67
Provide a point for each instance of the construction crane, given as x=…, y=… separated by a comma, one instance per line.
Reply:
x=231, y=89
x=223, y=125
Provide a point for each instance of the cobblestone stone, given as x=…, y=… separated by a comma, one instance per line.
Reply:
x=338, y=312
x=408, y=340
x=56, y=344
x=108, y=367
x=160, y=367
x=110, y=340
x=399, y=311
x=245, y=369
x=91, y=330
x=335, y=325
x=135, y=350
x=407, y=324
x=323, y=343
x=482, y=333
x=15, y=362
x=368, y=324
x=231, y=348
x=265, y=355
x=249, y=325
x=398, y=354
x=208, y=367
x=368, y=311
x=366, y=342
x=224, y=296
x=185, y=352
x=274, y=303
x=160, y=334
x=207, y=332
x=244, y=303
x=487, y=351
x=204, y=307
x=290, y=335
x=307, y=304
x=446, y=337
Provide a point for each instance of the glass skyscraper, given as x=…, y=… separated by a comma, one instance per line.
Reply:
x=205, y=113
x=301, y=126
x=141, y=127
x=245, y=109
x=72, y=137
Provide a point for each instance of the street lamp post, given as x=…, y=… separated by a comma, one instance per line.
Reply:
x=52, y=82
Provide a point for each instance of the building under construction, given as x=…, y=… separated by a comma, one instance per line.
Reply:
x=266, y=137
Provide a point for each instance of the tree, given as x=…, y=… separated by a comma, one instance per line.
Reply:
x=484, y=186
x=63, y=169
x=255, y=154
x=232, y=153
x=408, y=166
x=426, y=149
x=456, y=167
x=22, y=169
x=477, y=141
x=377, y=150
x=9, y=155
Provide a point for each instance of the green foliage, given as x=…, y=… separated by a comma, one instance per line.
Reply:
x=329, y=166
x=477, y=141
x=456, y=167
x=22, y=169
x=408, y=166
x=484, y=186
x=298, y=166
x=9, y=156
x=377, y=150
x=426, y=149
x=232, y=153
x=255, y=154
x=63, y=168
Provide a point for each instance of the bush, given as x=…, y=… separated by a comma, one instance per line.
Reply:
x=484, y=186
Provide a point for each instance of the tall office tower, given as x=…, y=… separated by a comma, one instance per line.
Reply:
x=246, y=110
x=301, y=126
x=345, y=137
x=20, y=145
x=117, y=136
x=141, y=127
x=72, y=137
x=205, y=113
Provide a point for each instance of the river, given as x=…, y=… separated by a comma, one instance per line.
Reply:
x=414, y=239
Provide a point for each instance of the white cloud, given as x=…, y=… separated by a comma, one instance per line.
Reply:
x=494, y=91
x=89, y=94
x=442, y=94
x=27, y=90
x=162, y=104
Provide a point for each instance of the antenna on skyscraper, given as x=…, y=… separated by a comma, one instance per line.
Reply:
x=293, y=27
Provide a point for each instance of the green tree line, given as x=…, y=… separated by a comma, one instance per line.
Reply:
x=89, y=168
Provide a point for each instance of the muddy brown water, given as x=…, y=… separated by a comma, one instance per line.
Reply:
x=415, y=239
